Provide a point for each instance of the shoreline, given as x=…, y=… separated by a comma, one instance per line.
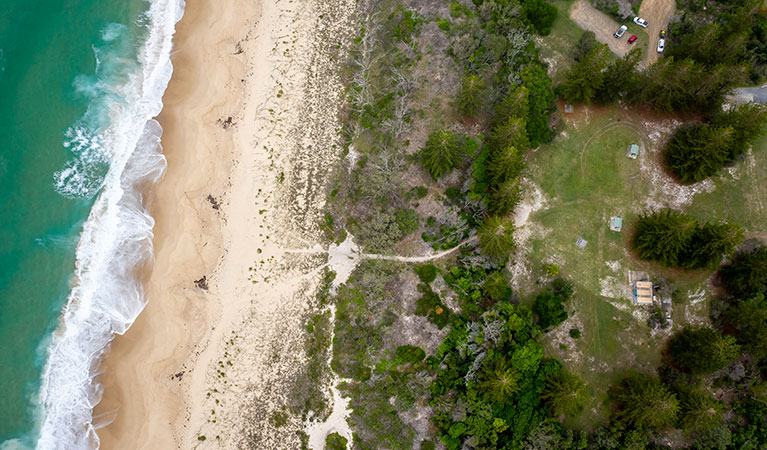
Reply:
x=139, y=400
x=251, y=125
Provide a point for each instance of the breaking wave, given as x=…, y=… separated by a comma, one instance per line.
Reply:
x=116, y=157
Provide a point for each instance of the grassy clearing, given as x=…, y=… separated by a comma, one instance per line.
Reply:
x=556, y=48
x=741, y=193
x=586, y=178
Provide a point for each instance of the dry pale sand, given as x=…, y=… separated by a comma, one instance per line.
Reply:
x=251, y=136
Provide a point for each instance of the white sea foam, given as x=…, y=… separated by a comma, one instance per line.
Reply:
x=118, y=159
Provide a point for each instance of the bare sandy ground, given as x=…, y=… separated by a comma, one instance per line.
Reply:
x=251, y=136
x=657, y=13
x=589, y=18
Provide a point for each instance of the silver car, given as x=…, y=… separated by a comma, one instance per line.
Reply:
x=661, y=45
x=621, y=31
x=641, y=22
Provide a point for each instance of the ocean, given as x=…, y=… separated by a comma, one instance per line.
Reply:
x=80, y=83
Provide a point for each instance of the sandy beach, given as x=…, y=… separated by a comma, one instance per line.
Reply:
x=251, y=122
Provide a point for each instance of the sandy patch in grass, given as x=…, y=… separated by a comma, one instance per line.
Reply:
x=665, y=192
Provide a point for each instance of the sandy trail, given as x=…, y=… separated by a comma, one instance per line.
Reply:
x=251, y=136
x=657, y=13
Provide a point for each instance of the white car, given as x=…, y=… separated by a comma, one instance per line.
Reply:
x=619, y=34
x=641, y=22
x=661, y=45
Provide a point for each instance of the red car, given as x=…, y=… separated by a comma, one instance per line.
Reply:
x=632, y=38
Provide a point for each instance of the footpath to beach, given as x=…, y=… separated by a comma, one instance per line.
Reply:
x=250, y=133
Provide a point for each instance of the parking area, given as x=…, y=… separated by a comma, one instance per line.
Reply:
x=656, y=12
x=591, y=19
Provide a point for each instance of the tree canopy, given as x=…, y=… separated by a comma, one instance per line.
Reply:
x=746, y=275
x=564, y=394
x=677, y=240
x=702, y=350
x=441, y=153
x=496, y=237
x=749, y=320
x=645, y=403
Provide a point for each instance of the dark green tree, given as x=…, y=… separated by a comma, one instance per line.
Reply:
x=716, y=437
x=335, y=441
x=697, y=152
x=540, y=100
x=496, y=286
x=699, y=411
x=663, y=236
x=643, y=402
x=703, y=350
x=496, y=238
x=620, y=78
x=498, y=380
x=550, y=309
x=563, y=394
x=748, y=123
x=441, y=153
x=471, y=97
x=583, y=80
x=511, y=133
x=586, y=43
x=504, y=198
x=541, y=14
x=746, y=275
x=748, y=318
x=710, y=243
x=505, y=164
x=514, y=104
x=685, y=85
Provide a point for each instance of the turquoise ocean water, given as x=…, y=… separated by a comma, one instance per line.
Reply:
x=80, y=81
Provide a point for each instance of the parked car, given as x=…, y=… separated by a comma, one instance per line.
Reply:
x=661, y=45
x=633, y=38
x=662, y=34
x=619, y=34
x=641, y=22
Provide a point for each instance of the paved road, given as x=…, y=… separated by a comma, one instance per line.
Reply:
x=657, y=14
x=752, y=94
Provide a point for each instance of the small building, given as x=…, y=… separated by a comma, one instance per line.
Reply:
x=581, y=243
x=616, y=224
x=643, y=293
x=632, y=151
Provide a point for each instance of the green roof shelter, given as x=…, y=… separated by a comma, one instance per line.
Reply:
x=633, y=151
x=616, y=223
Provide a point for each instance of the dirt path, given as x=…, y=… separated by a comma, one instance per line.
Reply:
x=591, y=19
x=657, y=14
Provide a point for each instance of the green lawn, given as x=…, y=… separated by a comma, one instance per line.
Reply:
x=586, y=178
x=555, y=48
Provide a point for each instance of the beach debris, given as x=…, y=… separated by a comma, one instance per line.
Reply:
x=202, y=283
x=226, y=123
x=213, y=202
x=177, y=375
